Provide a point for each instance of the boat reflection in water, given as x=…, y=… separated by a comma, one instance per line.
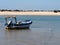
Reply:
x=14, y=24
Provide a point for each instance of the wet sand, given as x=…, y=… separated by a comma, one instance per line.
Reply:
x=29, y=37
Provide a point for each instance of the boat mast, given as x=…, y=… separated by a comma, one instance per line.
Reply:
x=15, y=19
x=6, y=20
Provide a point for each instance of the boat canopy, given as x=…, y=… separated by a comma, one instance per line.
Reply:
x=13, y=17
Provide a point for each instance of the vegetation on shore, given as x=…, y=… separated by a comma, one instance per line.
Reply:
x=55, y=11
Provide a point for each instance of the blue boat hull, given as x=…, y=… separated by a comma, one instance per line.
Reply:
x=21, y=25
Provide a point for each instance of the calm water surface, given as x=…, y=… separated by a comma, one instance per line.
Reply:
x=45, y=30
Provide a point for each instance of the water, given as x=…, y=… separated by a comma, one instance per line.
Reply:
x=45, y=30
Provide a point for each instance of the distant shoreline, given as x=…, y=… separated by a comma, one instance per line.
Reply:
x=45, y=13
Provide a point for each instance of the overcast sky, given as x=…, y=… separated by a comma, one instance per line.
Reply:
x=30, y=4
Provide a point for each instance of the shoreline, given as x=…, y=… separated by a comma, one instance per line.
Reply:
x=4, y=13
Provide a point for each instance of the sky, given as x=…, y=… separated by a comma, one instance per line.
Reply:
x=30, y=4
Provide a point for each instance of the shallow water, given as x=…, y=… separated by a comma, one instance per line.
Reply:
x=45, y=30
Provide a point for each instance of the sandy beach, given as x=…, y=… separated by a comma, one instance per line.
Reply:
x=29, y=13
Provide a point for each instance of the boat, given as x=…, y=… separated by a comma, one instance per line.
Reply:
x=14, y=24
